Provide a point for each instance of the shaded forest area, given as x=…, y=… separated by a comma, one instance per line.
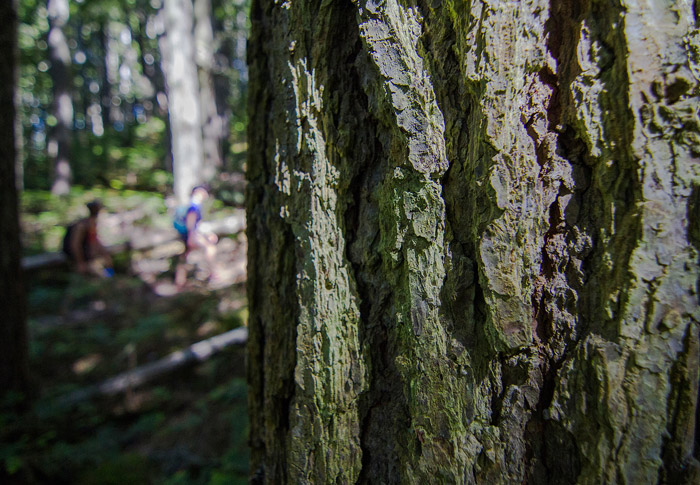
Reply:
x=132, y=379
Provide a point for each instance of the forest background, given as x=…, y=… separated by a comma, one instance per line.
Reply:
x=96, y=86
x=473, y=254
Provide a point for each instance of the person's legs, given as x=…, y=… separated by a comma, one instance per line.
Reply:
x=208, y=243
x=181, y=267
x=99, y=262
x=196, y=240
x=97, y=267
x=181, y=270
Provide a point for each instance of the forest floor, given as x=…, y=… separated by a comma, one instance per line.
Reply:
x=187, y=427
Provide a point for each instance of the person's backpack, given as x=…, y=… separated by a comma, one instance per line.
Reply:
x=66, y=240
x=179, y=221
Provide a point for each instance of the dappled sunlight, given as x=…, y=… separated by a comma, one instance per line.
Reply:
x=137, y=378
x=145, y=248
x=86, y=364
x=207, y=328
x=139, y=233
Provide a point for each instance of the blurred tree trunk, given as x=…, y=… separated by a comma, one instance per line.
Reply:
x=183, y=97
x=62, y=107
x=473, y=242
x=19, y=148
x=111, y=95
x=14, y=370
x=150, y=69
x=105, y=86
x=213, y=131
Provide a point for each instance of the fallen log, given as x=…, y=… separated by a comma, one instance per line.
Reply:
x=129, y=380
x=45, y=260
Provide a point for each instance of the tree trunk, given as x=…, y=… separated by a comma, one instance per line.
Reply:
x=213, y=131
x=105, y=91
x=183, y=97
x=62, y=107
x=474, y=232
x=14, y=370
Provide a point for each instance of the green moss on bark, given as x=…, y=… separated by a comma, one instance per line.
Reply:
x=470, y=257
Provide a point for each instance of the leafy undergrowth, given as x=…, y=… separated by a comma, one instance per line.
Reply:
x=45, y=216
x=188, y=427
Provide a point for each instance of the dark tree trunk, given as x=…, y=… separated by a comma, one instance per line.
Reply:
x=62, y=107
x=14, y=371
x=473, y=242
x=105, y=83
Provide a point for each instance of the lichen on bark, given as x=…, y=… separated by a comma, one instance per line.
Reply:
x=474, y=241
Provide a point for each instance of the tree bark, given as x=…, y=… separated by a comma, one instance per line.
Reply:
x=473, y=242
x=62, y=107
x=14, y=370
x=213, y=131
x=183, y=97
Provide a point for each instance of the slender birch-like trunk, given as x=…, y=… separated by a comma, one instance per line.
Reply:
x=62, y=107
x=183, y=97
x=213, y=128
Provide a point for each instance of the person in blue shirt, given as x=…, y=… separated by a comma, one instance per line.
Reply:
x=194, y=238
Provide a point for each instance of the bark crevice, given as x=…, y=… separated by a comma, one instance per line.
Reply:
x=497, y=198
x=680, y=465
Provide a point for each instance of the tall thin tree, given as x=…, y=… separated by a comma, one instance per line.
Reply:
x=213, y=128
x=180, y=71
x=62, y=107
x=14, y=373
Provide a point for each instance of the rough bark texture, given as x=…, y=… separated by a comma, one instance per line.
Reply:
x=14, y=371
x=182, y=85
x=473, y=241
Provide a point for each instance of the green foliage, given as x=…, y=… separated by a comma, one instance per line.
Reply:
x=126, y=468
x=147, y=423
x=234, y=463
x=181, y=477
x=120, y=133
x=44, y=299
x=96, y=441
x=219, y=477
x=234, y=319
x=130, y=158
x=45, y=216
x=147, y=327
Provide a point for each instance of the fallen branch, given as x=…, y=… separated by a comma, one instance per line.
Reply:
x=128, y=380
x=45, y=260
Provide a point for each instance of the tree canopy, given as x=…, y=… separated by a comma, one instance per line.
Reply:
x=119, y=130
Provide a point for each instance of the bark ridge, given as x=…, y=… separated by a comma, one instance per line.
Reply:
x=474, y=240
